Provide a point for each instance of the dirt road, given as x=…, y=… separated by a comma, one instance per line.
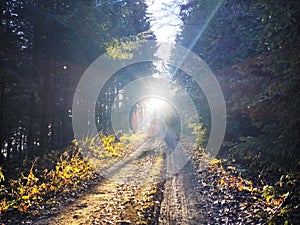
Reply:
x=137, y=193
x=182, y=203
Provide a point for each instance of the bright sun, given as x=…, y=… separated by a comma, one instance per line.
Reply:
x=155, y=103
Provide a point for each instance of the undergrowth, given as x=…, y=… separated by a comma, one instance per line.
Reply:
x=36, y=187
x=39, y=185
x=279, y=200
x=104, y=150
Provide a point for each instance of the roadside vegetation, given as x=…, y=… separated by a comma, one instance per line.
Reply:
x=28, y=191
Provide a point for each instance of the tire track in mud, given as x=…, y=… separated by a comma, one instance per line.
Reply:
x=182, y=203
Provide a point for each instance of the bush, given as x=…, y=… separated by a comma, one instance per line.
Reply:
x=38, y=186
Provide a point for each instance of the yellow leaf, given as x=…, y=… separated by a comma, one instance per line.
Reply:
x=1, y=175
x=25, y=197
x=75, y=142
x=52, y=188
x=230, y=167
x=240, y=188
x=34, y=190
x=214, y=162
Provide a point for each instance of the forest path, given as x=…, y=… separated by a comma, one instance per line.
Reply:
x=136, y=193
x=182, y=202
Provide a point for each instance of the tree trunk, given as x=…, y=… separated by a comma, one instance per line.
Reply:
x=44, y=114
x=30, y=139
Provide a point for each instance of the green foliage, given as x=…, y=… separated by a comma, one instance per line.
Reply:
x=104, y=150
x=26, y=191
x=4, y=205
x=281, y=202
x=123, y=48
x=110, y=145
x=231, y=31
x=45, y=47
x=199, y=130
x=254, y=45
x=269, y=193
x=1, y=175
x=104, y=146
x=38, y=186
x=69, y=171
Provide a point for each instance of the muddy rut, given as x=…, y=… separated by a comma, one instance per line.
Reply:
x=182, y=203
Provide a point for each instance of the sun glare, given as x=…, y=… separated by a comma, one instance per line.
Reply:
x=155, y=104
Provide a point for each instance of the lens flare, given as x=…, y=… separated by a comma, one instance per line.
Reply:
x=155, y=106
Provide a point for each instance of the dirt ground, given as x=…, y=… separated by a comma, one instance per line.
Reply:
x=137, y=191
